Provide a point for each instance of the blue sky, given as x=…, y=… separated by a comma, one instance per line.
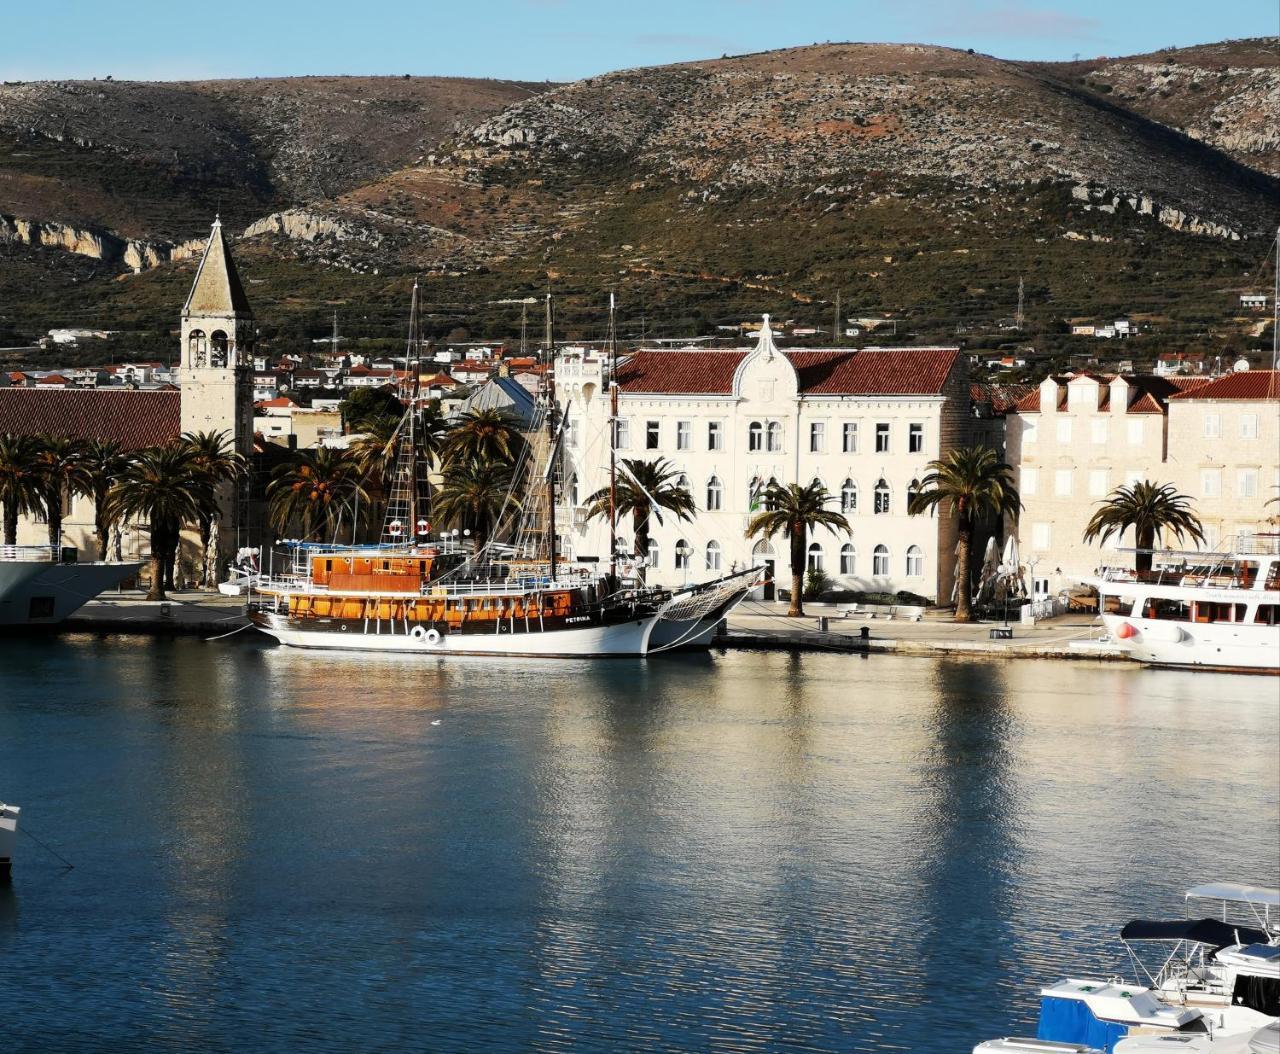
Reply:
x=563, y=39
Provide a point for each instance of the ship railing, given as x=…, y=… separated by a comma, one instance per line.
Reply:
x=32, y=554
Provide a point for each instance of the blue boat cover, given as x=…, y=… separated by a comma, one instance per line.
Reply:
x=1071, y=1021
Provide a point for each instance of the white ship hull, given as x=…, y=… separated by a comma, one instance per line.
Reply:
x=8, y=836
x=1237, y=646
x=41, y=593
x=620, y=639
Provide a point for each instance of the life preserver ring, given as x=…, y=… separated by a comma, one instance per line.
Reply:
x=418, y=633
x=433, y=637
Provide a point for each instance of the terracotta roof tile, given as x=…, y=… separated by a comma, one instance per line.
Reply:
x=1248, y=385
x=135, y=418
x=889, y=371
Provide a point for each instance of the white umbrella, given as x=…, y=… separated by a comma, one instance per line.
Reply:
x=990, y=570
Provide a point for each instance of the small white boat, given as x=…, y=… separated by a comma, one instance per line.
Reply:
x=8, y=837
x=1265, y=1040
x=1033, y=1046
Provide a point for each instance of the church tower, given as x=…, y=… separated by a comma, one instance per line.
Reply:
x=217, y=349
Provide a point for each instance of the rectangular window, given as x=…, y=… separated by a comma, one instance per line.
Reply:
x=817, y=437
x=1100, y=431
x=1210, y=483
x=1097, y=483
x=1248, y=426
x=1030, y=481
x=1040, y=536
x=622, y=433
x=882, y=439
x=1136, y=432
x=1062, y=482
x=1212, y=426
x=1247, y=483
x=1064, y=429
x=850, y=444
x=773, y=437
x=715, y=438
x=652, y=435
x=915, y=439
x=684, y=435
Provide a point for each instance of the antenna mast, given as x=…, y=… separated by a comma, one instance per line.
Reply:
x=835, y=322
x=1017, y=319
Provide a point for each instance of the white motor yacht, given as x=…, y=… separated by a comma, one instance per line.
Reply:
x=40, y=585
x=1033, y=1046
x=1265, y=1040
x=8, y=836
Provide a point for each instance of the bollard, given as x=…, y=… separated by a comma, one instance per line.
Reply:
x=865, y=633
x=165, y=610
x=823, y=622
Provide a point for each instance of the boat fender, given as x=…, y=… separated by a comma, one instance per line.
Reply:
x=433, y=637
x=1125, y=630
x=418, y=633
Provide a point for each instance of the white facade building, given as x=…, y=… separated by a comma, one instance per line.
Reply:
x=863, y=423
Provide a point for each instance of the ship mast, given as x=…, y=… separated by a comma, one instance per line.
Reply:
x=552, y=428
x=412, y=358
x=613, y=440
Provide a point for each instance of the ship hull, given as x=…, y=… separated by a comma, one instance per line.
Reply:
x=1224, y=646
x=617, y=639
x=34, y=594
x=681, y=634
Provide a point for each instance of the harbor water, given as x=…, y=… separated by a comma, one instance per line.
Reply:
x=276, y=850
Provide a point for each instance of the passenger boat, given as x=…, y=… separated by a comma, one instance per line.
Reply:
x=1194, y=609
x=40, y=585
x=8, y=837
x=525, y=596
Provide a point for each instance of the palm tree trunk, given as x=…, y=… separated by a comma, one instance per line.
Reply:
x=10, y=523
x=964, y=608
x=206, y=570
x=1143, y=538
x=640, y=523
x=53, y=506
x=101, y=527
x=158, y=544
x=796, y=610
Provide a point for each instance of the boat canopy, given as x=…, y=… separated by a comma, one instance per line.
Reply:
x=1236, y=891
x=1200, y=931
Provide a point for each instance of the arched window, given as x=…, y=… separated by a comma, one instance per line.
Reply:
x=913, y=488
x=755, y=436
x=769, y=504
x=915, y=562
x=654, y=552
x=715, y=495
x=816, y=482
x=217, y=348
x=573, y=489
x=848, y=558
x=682, y=481
x=196, y=348
x=849, y=496
x=815, y=557
x=882, y=497
x=683, y=549
x=775, y=436
x=880, y=561
x=713, y=556
x=755, y=494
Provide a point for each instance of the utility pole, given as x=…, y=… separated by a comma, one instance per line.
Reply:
x=333, y=341
x=1017, y=319
x=836, y=332
x=524, y=328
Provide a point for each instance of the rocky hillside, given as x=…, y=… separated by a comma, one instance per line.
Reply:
x=919, y=182
x=1225, y=94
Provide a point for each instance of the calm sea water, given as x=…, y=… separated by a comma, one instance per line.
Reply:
x=275, y=851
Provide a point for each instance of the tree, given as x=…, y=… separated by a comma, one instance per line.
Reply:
x=484, y=435
x=62, y=475
x=975, y=484
x=473, y=495
x=164, y=487
x=213, y=455
x=104, y=460
x=1151, y=510
x=795, y=511
x=644, y=490
x=21, y=486
x=364, y=403
x=315, y=489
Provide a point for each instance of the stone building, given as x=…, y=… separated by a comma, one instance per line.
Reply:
x=863, y=423
x=1076, y=439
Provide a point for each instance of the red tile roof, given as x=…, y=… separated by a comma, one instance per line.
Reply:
x=889, y=371
x=1002, y=397
x=1148, y=392
x=1248, y=385
x=135, y=418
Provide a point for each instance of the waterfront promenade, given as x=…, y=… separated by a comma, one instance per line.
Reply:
x=755, y=625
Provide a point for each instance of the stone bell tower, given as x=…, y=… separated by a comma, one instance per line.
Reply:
x=217, y=349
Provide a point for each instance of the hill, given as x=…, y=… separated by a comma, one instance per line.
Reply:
x=919, y=182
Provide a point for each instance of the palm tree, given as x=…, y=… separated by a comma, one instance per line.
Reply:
x=63, y=475
x=976, y=484
x=163, y=486
x=21, y=485
x=1151, y=510
x=484, y=435
x=473, y=495
x=104, y=460
x=315, y=489
x=795, y=511
x=212, y=454
x=644, y=489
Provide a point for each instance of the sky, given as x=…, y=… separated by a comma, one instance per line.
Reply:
x=564, y=39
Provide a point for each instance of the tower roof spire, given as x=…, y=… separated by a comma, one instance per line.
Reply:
x=217, y=289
